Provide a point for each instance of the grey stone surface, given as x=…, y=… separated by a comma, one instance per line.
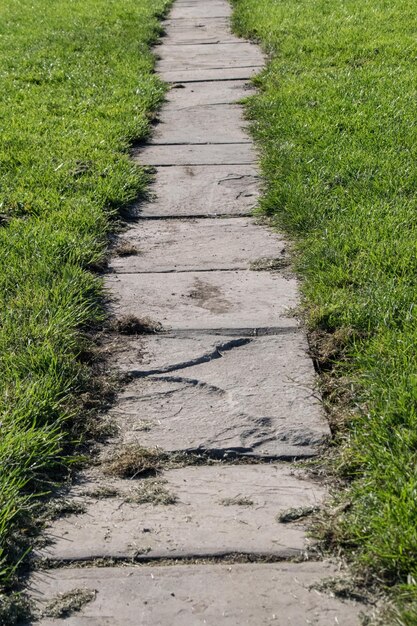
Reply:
x=200, y=190
x=211, y=123
x=206, y=520
x=190, y=245
x=201, y=56
x=199, y=300
x=192, y=595
x=214, y=8
x=221, y=394
x=198, y=31
x=210, y=74
x=193, y=94
x=214, y=154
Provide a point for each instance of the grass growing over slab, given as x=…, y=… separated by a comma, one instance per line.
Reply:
x=77, y=89
x=336, y=120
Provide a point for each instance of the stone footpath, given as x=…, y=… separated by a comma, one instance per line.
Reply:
x=229, y=377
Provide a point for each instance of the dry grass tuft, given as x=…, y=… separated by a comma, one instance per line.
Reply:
x=295, y=514
x=269, y=265
x=133, y=461
x=237, y=501
x=64, y=604
x=64, y=508
x=132, y=325
x=152, y=491
x=126, y=249
x=102, y=491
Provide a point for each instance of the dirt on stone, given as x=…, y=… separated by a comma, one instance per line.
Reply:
x=208, y=296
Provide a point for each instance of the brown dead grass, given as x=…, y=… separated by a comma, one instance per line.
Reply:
x=237, y=501
x=269, y=265
x=134, y=461
x=295, y=514
x=102, y=491
x=126, y=249
x=132, y=325
x=64, y=604
x=152, y=491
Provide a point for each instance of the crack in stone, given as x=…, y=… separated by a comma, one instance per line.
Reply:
x=200, y=106
x=289, y=555
x=189, y=381
x=202, y=143
x=197, y=216
x=216, y=353
x=252, y=332
x=214, y=164
x=185, y=271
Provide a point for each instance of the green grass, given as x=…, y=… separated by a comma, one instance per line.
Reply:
x=336, y=120
x=77, y=89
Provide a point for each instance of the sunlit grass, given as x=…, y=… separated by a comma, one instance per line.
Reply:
x=77, y=88
x=336, y=120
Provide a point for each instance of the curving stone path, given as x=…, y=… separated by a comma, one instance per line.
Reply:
x=228, y=379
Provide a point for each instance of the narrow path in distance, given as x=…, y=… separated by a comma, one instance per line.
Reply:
x=185, y=518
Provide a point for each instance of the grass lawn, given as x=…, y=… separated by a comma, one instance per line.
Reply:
x=77, y=88
x=336, y=121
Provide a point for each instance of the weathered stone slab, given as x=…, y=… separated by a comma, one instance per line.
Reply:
x=192, y=245
x=199, y=300
x=193, y=595
x=219, y=510
x=211, y=123
x=210, y=74
x=198, y=31
x=193, y=94
x=201, y=56
x=198, y=154
x=201, y=191
x=221, y=394
x=212, y=9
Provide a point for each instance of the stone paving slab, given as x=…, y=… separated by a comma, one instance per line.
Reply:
x=200, y=300
x=201, y=56
x=211, y=123
x=206, y=520
x=201, y=594
x=198, y=154
x=189, y=245
x=198, y=31
x=220, y=394
x=193, y=94
x=210, y=74
x=210, y=9
x=214, y=190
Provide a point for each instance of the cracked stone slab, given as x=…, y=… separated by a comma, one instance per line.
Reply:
x=193, y=595
x=199, y=94
x=211, y=123
x=201, y=56
x=220, y=394
x=202, y=191
x=198, y=31
x=212, y=9
x=198, y=154
x=210, y=74
x=200, y=300
x=219, y=510
x=189, y=245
